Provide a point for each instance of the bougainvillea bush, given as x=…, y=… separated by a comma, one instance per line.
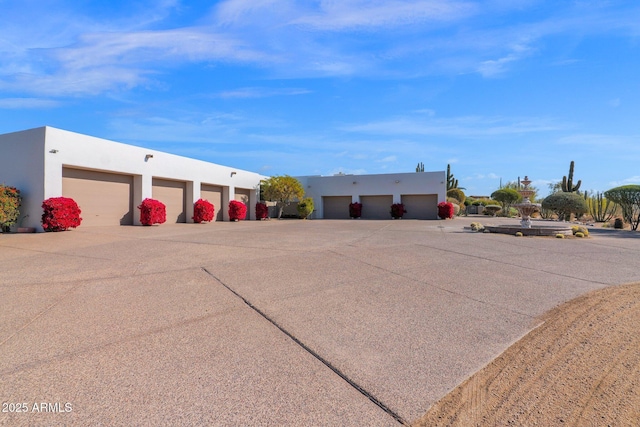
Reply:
x=262, y=211
x=9, y=206
x=152, y=212
x=355, y=210
x=397, y=210
x=446, y=210
x=60, y=214
x=203, y=211
x=237, y=210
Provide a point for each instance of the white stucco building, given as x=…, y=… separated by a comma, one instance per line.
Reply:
x=420, y=192
x=108, y=179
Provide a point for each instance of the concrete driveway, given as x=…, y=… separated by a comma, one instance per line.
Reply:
x=285, y=322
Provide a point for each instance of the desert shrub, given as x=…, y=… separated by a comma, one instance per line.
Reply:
x=446, y=210
x=355, y=210
x=60, y=214
x=305, y=207
x=456, y=209
x=579, y=234
x=262, y=211
x=152, y=211
x=601, y=208
x=565, y=204
x=9, y=206
x=628, y=197
x=203, y=211
x=618, y=223
x=457, y=194
x=492, y=209
x=560, y=235
x=237, y=210
x=397, y=210
x=519, y=234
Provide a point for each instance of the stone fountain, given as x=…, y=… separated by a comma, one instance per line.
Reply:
x=526, y=208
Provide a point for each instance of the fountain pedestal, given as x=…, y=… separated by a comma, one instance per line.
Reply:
x=526, y=208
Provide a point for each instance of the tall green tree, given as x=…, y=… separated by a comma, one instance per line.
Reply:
x=283, y=190
x=506, y=196
x=628, y=198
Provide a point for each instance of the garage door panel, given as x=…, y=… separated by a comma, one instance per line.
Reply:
x=376, y=207
x=335, y=207
x=213, y=194
x=173, y=195
x=104, y=198
x=420, y=206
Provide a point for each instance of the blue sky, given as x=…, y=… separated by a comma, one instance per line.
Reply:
x=497, y=88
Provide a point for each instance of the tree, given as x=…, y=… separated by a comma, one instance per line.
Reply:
x=506, y=196
x=564, y=204
x=628, y=197
x=283, y=190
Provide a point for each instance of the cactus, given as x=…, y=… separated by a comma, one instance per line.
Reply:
x=601, y=209
x=451, y=181
x=567, y=183
x=420, y=167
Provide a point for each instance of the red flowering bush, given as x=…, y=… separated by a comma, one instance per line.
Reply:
x=237, y=210
x=152, y=212
x=355, y=210
x=262, y=211
x=60, y=214
x=9, y=206
x=446, y=210
x=203, y=211
x=397, y=210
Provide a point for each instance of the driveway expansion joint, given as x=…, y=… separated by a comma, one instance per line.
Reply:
x=313, y=353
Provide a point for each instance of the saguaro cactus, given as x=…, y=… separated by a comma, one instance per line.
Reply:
x=451, y=181
x=567, y=183
x=420, y=167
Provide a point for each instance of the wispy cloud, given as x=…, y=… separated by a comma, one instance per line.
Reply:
x=261, y=92
x=27, y=103
x=631, y=180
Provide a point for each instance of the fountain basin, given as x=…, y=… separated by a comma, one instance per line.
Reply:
x=535, y=230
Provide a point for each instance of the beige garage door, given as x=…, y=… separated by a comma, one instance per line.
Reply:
x=420, y=206
x=242, y=195
x=104, y=198
x=376, y=207
x=173, y=195
x=335, y=207
x=213, y=194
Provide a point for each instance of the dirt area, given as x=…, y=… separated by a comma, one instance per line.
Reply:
x=581, y=367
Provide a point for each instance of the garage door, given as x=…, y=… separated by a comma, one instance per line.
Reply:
x=173, y=195
x=420, y=206
x=213, y=194
x=335, y=207
x=104, y=198
x=242, y=195
x=376, y=207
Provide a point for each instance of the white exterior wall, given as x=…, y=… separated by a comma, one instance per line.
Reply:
x=32, y=161
x=395, y=184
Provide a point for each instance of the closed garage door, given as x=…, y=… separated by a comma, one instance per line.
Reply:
x=104, y=198
x=213, y=194
x=242, y=195
x=420, y=206
x=376, y=207
x=335, y=207
x=173, y=195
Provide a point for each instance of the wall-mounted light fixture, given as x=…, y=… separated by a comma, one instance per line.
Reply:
x=397, y=181
x=355, y=182
x=148, y=156
x=233, y=173
x=54, y=151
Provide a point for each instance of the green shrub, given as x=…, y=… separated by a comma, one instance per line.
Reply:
x=506, y=196
x=492, y=210
x=457, y=194
x=628, y=197
x=9, y=206
x=305, y=207
x=565, y=204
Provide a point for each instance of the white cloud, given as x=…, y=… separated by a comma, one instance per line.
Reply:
x=261, y=92
x=631, y=180
x=27, y=103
